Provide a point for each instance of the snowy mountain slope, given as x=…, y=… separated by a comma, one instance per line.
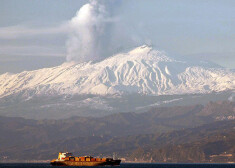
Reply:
x=142, y=70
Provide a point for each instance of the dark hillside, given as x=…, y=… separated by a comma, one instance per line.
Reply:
x=124, y=133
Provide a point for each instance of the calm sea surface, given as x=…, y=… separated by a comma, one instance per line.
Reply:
x=124, y=165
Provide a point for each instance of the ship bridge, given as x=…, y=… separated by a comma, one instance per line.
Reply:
x=63, y=155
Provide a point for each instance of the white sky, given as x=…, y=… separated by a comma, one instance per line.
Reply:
x=195, y=29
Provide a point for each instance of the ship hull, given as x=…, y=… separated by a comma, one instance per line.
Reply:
x=86, y=163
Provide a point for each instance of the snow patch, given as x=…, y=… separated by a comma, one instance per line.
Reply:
x=142, y=70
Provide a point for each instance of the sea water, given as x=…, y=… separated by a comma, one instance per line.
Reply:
x=123, y=165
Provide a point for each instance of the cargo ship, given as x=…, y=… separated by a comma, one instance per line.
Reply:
x=67, y=159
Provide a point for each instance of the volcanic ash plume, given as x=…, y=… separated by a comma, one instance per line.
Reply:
x=90, y=32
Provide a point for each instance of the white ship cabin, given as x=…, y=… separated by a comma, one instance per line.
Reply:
x=62, y=156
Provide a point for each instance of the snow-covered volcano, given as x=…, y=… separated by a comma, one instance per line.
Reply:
x=142, y=70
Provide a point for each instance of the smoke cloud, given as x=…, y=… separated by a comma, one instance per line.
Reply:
x=91, y=31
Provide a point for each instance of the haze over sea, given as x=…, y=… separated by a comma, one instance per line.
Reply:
x=124, y=165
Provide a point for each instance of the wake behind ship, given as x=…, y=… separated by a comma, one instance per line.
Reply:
x=67, y=159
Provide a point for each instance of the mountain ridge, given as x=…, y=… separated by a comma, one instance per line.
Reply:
x=181, y=127
x=142, y=70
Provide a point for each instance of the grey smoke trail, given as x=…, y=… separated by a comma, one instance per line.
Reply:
x=90, y=31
